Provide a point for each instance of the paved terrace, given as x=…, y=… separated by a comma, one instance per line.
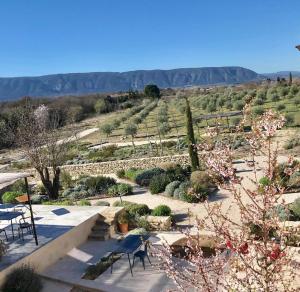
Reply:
x=51, y=222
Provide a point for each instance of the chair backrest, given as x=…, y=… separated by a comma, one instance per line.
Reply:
x=23, y=198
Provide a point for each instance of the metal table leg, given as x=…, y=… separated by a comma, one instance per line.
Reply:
x=12, y=229
x=130, y=265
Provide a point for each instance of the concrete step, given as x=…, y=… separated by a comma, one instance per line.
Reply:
x=100, y=228
x=98, y=235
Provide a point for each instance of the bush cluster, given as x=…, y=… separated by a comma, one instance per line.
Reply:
x=22, y=279
x=10, y=197
x=161, y=210
x=119, y=189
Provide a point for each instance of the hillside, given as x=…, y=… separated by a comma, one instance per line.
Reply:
x=80, y=83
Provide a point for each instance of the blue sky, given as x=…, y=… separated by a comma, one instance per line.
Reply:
x=57, y=36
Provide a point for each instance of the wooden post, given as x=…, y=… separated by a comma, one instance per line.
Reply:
x=31, y=213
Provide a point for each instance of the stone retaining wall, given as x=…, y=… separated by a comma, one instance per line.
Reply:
x=112, y=166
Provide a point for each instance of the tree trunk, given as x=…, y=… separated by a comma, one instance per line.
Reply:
x=52, y=187
x=132, y=140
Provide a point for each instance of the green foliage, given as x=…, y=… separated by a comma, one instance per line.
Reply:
x=119, y=189
x=10, y=197
x=190, y=198
x=101, y=106
x=137, y=209
x=238, y=105
x=280, y=107
x=131, y=130
x=292, y=143
x=22, y=279
x=281, y=212
x=124, y=218
x=171, y=187
x=66, y=179
x=132, y=173
x=144, y=177
x=84, y=203
x=158, y=183
x=258, y=111
x=190, y=137
x=264, y=181
x=102, y=203
x=120, y=173
x=106, y=129
x=143, y=223
x=38, y=199
x=19, y=186
x=59, y=203
x=94, y=271
x=295, y=208
x=151, y=90
x=103, y=154
x=99, y=184
x=161, y=210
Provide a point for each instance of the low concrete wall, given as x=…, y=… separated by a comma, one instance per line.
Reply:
x=48, y=254
x=113, y=166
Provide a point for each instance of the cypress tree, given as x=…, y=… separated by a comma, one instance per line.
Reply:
x=290, y=79
x=190, y=137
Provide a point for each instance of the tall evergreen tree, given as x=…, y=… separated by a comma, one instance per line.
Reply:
x=290, y=79
x=191, y=137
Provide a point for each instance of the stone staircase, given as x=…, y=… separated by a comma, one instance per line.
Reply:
x=101, y=229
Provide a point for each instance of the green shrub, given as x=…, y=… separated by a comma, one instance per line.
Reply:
x=295, y=208
x=171, y=187
x=189, y=197
x=102, y=203
x=137, y=209
x=161, y=210
x=120, y=173
x=292, y=143
x=132, y=173
x=41, y=189
x=124, y=189
x=123, y=218
x=19, y=186
x=120, y=189
x=144, y=177
x=122, y=204
x=113, y=191
x=59, y=203
x=258, y=111
x=84, y=203
x=22, y=279
x=181, y=190
x=10, y=197
x=280, y=107
x=199, y=177
x=66, y=179
x=38, y=199
x=264, y=181
x=99, y=184
x=158, y=183
x=281, y=212
x=143, y=223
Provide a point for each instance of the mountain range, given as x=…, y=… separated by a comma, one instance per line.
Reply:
x=96, y=82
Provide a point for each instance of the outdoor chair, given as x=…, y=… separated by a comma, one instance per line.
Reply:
x=141, y=254
x=23, y=224
x=3, y=230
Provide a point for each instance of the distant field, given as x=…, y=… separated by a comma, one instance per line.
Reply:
x=283, y=98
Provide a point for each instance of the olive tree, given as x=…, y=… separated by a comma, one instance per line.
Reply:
x=43, y=145
x=131, y=130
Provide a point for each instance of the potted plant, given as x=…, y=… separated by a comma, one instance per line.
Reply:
x=123, y=220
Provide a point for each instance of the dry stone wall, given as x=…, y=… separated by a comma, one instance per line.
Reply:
x=113, y=166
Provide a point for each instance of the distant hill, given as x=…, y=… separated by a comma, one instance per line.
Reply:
x=82, y=83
